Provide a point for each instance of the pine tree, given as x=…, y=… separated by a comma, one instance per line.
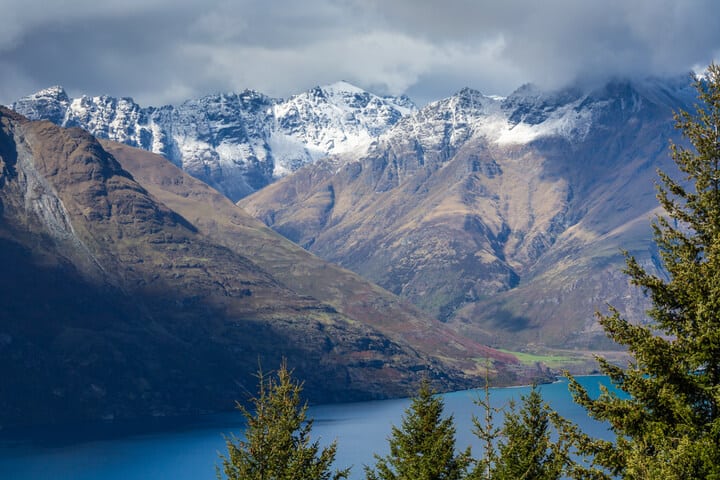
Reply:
x=277, y=443
x=526, y=451
x=667, y=423
x=424, y=448
x=488, y=433
x=523, y=448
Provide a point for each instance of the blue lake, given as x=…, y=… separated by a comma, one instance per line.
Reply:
x=188, y=448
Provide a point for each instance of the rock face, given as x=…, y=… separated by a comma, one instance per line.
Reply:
x=129, y=289
x=237, y=143
x=502, y=216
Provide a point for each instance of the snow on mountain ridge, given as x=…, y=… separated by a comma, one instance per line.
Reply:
x=240, y=142
x=237, y=143
x=48, y=104
x=343, y=87
x=528, y=114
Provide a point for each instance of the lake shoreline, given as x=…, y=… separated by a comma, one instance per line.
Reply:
x=188, y=449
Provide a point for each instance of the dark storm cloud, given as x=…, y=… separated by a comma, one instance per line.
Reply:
x=162, y=51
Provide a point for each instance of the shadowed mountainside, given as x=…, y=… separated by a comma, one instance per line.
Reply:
x=117, y=303
x=228, y=225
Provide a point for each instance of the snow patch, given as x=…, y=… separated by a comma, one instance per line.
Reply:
x=342, y=87
x=288, y=153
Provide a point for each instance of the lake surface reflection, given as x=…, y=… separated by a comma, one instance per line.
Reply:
x=188, y=448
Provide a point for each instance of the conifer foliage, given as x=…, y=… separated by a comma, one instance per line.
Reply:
x=526, y=451
x=423, y=448
x=524, y=447
x=277, y=444
x=668, y=423
x=487, y=432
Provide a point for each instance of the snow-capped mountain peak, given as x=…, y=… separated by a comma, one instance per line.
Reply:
x=332, y=119
x=56, y=91
x=47, y=104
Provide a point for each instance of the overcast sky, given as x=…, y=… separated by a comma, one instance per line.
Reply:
x=166, y=51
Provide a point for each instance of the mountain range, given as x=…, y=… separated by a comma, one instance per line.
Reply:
x=131, y=289
x=236, y=143
x=503, y=217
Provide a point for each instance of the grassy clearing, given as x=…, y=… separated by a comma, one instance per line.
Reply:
x=549, y=359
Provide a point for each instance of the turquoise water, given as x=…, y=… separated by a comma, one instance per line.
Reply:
x=184, y=449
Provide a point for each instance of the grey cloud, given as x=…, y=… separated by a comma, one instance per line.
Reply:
x=555, y=41
x=162, y=51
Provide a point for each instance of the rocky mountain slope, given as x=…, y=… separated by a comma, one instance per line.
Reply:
x=129, y=289
x=237, y=143
x=502, y=216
